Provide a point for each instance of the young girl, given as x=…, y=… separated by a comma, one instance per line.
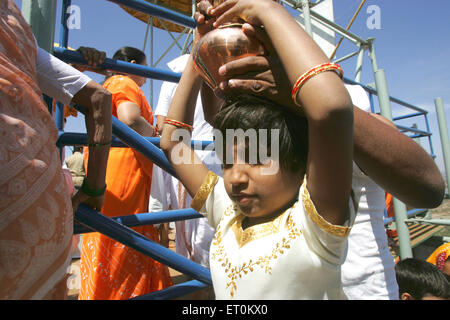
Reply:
x=279, y=235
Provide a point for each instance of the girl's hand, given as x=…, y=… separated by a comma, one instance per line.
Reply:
x=245, y=10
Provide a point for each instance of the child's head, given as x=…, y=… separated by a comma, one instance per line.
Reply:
x=250, y=113
x=266, y=134
x=132, y=55
x=420, y=280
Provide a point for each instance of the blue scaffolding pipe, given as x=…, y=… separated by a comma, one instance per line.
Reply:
x=63, y=29
x=392, y=99
x=408, y=105
x=140, y=144
x=142, y=219
x=72, y=56
x=80, y=139
x=415, y=136
x=158, y=11
x=427, y=124
x=174, y=291
x=107, y=226
x=410, y=213
x=134, y=140
x=59, y=116
x=372, y=102
x=423, y=133
x=407, y=116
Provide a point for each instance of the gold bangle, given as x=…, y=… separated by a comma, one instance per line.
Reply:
x=178, y=124
x=313, y=72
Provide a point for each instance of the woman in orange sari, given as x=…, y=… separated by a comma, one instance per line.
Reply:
x=111, y=270
x=36, y=212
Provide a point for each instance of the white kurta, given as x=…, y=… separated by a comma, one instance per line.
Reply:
x=58, y=79
x=298, y=255
x=368, y=272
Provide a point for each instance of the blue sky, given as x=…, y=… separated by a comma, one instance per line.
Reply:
x=412, y=45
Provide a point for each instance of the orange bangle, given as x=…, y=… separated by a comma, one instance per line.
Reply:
x=313, y=72
x=178, y=124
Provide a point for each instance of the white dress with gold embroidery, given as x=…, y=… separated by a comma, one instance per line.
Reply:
x=296, y=256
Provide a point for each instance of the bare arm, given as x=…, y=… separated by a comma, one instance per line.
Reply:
x=211, y=104
x=396, y=162
x=191, y=172
x=129, y=113
x=98, y=104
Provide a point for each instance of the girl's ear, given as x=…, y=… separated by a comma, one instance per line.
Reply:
x=133, y=61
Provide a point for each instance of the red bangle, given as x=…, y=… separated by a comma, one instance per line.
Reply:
x=178, y=124
x=313, y=72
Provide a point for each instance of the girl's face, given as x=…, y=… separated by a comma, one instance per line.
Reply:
x=260, y=196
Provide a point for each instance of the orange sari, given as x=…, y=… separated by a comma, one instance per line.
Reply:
x=36, y=218
x=111, y=270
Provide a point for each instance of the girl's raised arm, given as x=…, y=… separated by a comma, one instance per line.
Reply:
x=175, y=140
x=324, y=99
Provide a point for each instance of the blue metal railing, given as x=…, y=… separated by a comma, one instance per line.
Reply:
x=119, y=66
x=115, y=230
x=419, y=112
x=142, y=219
x=118, y=228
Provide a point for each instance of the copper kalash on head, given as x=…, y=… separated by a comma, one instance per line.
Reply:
x=219, y=46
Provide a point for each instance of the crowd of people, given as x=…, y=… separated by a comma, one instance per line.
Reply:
x=312, y=229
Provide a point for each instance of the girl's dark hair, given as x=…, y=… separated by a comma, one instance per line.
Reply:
x=128, y=54
x=420, y=278
x=250, y=112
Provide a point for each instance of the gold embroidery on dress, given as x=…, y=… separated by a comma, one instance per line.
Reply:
x=318, y=219
x=204, y=191
x=255, y=232
x=263, y=262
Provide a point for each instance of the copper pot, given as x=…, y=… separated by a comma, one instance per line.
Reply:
x=219, y=46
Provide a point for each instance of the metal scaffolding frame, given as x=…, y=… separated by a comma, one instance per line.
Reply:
x=118, y=228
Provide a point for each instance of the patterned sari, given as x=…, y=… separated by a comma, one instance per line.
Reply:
x=36, y=218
